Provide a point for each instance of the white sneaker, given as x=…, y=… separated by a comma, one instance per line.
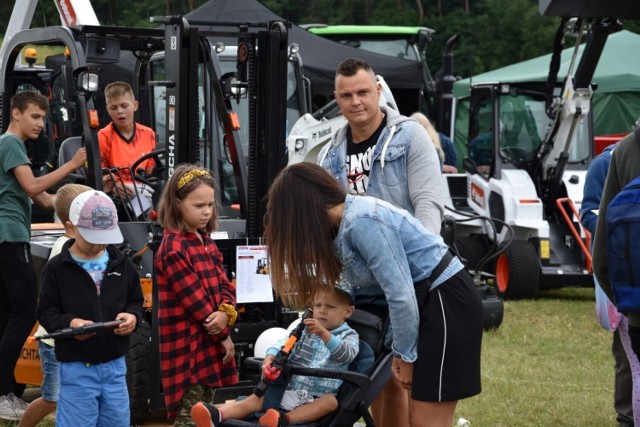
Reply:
x=19, y=403
x=9, y=409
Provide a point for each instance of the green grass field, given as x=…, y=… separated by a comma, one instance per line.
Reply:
x=548, y=364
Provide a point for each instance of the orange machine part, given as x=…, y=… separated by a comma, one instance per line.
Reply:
x=28, y=369
x=147, y=288
x=94, y=122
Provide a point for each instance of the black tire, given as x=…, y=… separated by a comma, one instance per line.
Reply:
x=137, y=359
x=518, y=271
x=471, y=250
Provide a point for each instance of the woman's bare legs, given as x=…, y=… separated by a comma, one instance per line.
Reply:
x=391, y=406
x=431, y=414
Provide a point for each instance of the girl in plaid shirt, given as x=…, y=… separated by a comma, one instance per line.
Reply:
x=327, y=342
x=196, y=300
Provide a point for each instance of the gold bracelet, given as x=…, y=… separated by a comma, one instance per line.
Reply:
x=231, y=312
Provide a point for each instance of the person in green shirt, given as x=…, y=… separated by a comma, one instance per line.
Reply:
x=18, y=187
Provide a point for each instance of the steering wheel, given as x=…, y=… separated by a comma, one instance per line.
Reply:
x=154, y=181
x=516, y=155
x=155, y=178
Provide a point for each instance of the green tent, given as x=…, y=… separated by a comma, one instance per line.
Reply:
x=616, y=101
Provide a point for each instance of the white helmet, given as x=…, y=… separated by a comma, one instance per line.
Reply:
x=268, y=338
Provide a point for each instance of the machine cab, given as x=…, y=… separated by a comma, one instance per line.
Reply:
x=507, y=126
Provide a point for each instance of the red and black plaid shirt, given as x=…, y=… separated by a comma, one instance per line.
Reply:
x=191, y=285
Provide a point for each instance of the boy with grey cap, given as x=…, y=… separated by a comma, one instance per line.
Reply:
x=91, y=281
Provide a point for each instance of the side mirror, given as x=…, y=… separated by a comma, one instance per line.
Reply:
x=424, y=37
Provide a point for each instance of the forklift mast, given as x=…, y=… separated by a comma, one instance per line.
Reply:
x=261, y=77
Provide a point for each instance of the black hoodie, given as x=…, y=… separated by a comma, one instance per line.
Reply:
x=69, y=292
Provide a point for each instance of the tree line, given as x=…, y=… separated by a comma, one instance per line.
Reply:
x=493, y=33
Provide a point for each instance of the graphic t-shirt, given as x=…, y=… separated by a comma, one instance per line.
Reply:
x=95, y=267
x=358, y=159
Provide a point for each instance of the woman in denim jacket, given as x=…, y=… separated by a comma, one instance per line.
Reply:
x=316, y=234
x=384, y=154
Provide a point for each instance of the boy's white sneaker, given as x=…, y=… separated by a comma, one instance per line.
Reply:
x=20, y=404
x=11, y=408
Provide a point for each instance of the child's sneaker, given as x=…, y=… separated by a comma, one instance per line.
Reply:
x=10, y=410
x=273, y=418
x=20, y=404
x=205, y=415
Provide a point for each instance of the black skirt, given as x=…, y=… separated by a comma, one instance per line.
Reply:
x=449, y=342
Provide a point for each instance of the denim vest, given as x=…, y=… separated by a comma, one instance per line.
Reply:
x=381, y=245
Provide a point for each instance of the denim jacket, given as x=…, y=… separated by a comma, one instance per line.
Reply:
x=381, y=245
x=405, y=168
x=593, y=185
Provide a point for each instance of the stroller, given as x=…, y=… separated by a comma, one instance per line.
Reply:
x=366, y=376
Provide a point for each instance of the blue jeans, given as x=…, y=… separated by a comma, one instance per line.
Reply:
x=50, y=366
x=93, y=395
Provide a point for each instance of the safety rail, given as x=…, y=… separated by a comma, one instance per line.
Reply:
x=574, y=231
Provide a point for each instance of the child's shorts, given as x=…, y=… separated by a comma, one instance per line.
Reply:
x=291, y=399
x=50, y=366
x=449, y=343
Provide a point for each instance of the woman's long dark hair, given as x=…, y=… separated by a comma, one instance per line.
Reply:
x=299, y=233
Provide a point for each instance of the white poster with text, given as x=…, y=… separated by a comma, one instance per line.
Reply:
x=253, y=283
